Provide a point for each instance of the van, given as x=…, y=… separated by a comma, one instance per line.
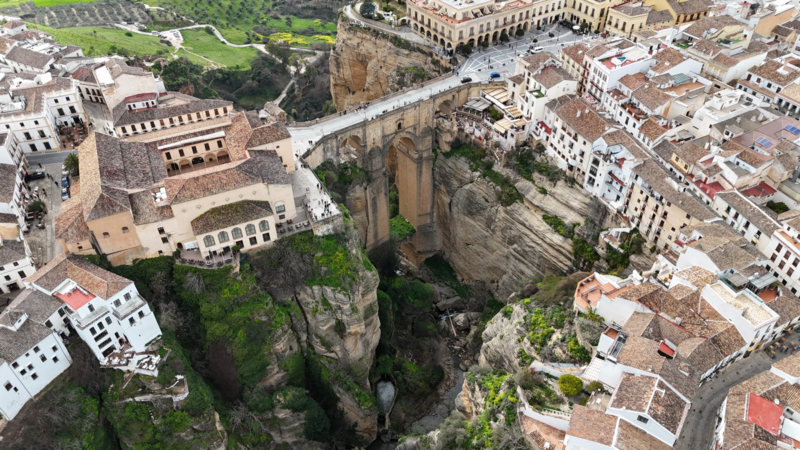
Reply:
x=537, y=50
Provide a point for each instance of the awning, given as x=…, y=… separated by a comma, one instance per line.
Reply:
x=515, y=113
x=498, y=94
x=520, y=123
x=737, y=279
x=191, y=245
x=478, y=104
x=502, y=125
x=764, y=280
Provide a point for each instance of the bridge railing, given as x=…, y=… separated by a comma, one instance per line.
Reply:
x=329, y=117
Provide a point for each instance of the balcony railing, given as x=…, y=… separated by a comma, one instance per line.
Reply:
x=84, y=322
x=129, y=307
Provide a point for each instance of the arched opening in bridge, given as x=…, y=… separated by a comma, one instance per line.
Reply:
x=350, y=150
x=401, y=170
x=446, y=108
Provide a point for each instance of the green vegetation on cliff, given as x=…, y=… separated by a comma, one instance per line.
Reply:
x=482, y=162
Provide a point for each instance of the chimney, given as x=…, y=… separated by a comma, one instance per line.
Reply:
x=579, y=113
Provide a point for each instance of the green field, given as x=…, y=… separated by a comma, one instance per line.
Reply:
x=102, y=41
x=44, y=2
x=202, y=43
x=233, y=18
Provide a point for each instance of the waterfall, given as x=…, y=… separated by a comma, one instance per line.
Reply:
x=386, y=391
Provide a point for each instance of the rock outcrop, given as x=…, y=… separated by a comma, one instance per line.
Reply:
x=501, y=341
x=366, y=65
x=501, y=246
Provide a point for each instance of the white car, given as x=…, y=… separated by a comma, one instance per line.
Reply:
x=537, y=50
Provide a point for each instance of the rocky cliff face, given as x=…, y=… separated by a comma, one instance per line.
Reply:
x=502, y=246
x=501, y=342
x=366, y=65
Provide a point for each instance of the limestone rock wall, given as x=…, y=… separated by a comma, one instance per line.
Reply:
x=500, y=349
x=502, y=246
x=364, y=66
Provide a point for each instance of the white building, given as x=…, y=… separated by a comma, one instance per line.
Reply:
x=33, y=110
x=105, y=309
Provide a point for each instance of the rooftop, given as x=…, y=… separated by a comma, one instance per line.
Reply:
x=751, y=310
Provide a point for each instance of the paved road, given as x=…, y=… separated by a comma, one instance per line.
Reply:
x=47, y=158
x=698, y=430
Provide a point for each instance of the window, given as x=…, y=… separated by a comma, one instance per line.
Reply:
x=48, y=324
x=34, y=376
x=91, y=308
x=33, y=148
x=117, y=304
x=265, y=237
x=208, y=241
x=253, y=241
x=141, y=314
x=194, y=149
x=8, y=386
x=127, y=296
x=131, y=321
x=164, y=240
x=642, y=419
x=36, y=349
x=236, y=233
x=106, y=235
x=208, y=147
x=223, y=236
x=23, y=372
x=8, y=278
x=54, y=348
x=101, y=326
x=21, y=274
x=778, y=248
x=72, y=110
x=250, y=229
x=263, y=225
x=168, y=156
x=15, y=365
x=108, y=320
x=280, y=208
x=219, y=144
x=43, y=358
x=180, y=152
x=41, y=134
x=55, y=359
x=125, y=229
x=60, y=112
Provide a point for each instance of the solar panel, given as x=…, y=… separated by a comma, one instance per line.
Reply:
x=792, y=129
x=766, y=143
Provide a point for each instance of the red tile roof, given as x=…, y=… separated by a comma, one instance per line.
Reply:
x=762, y=190
x=764, y=413
x=75, y=299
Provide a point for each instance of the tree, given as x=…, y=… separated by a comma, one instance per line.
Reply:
x=520, y=32
x=72, y=164
x=570, y=385
x=467, y=49
x=595, y=386
x=485, y=44
x=367, y=9
x=495, y=114
x=584, y=26
x=504, y=37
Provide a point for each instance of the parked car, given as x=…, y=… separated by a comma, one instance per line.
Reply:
x=494, y=75
x=64, y=181
x=64, y=194
x=34, y=176
x=537, y=50
x=64, y=170
x=466, y=80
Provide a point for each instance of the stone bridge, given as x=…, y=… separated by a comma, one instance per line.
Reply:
x=396, y=147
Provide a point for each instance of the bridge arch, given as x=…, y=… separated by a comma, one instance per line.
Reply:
x=446, y=108
x=350, y=148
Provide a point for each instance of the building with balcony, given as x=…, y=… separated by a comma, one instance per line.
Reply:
x=768, y=79
x=612, y=161
x=451, y=23
x=722, y=106
x=35, y=109
x=660, y=206
x=538, y=79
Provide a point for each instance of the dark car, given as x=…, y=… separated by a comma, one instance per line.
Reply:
x=466, y=80
x=64, y=182
x=64, y=194
x=197, y=160
x=34, y=176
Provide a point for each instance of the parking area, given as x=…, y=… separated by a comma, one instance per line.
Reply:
x=42, y=241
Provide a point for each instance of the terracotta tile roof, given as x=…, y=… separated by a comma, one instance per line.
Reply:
x=777, y=72
x=535, y=61
x=698, y=28
x=551, y=76
x=659, y=17
x=8, y=180
x=85, y=74
x=109, y=168
x=69, y=223
x=665, y=149
x=13, y=24
x=164, y=112
x=690, y=153
x=576, y=52
x=688, y=7
x=516, y=79
x=11, y=251
x=639, y=291
x=14, y=344
x=631, y=11
x=790, y=364
x=632, y=82
x=667, y=59
x=698, y=276
x=550, y=435
x=652, y=130
x=654, y=175
x=239, y=135
x=667, y=408
x=680, y=291
x=267, y=134
x=725, y=60
x=641, y=353
x=592, y=425
x=263, y=166
x=31, y=58
x=755, y=215
x=99, y=282
x=651, y=96
x=705, y=47
x=38, y=305
x=225, y=216
x=623, y=138
x=583, y=119
x=786, y=306
x=145, y=210
x=631, y=437
x=633, y=393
